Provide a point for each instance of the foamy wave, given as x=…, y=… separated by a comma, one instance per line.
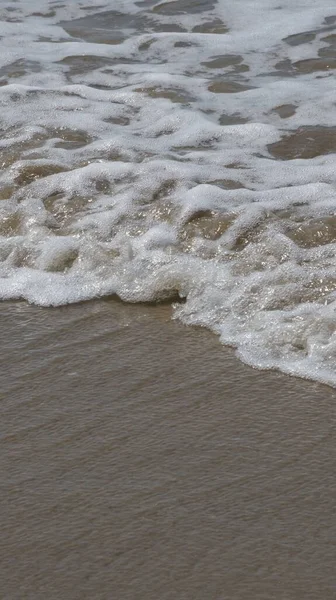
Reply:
x=176, y=150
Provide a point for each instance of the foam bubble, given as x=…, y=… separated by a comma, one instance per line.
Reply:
x=176, y=150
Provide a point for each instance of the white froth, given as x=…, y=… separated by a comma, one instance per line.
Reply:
x=166, y=150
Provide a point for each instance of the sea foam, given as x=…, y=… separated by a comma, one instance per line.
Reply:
x=180, y=151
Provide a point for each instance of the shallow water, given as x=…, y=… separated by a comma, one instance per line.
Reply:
x=180, y=151
x=141, y=460
x=176, y=150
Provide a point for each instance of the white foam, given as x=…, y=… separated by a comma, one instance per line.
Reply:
x=142, y=168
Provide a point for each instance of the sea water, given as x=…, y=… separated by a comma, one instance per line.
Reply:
x=180, y=151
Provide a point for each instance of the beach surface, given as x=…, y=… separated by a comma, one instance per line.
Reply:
x=167, y=194
x=141, y=460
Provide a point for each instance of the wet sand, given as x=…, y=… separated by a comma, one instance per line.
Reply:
x=142, y=461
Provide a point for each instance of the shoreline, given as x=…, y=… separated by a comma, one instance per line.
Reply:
x=142, y=459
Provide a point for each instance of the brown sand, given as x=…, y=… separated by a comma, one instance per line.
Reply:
x=141, y=461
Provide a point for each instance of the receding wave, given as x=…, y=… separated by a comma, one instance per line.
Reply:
x=176, y=150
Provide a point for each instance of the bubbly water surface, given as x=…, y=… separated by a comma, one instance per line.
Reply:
x=181, y=151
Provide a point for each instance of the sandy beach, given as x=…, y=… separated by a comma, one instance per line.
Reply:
x=166, y=152
x=141, y=460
